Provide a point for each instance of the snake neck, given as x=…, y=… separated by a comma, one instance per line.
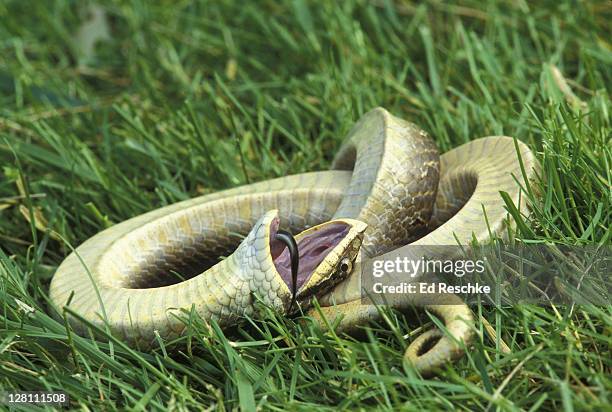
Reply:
x=251, y=267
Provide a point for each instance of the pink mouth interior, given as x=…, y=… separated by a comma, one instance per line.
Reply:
x=312, y=250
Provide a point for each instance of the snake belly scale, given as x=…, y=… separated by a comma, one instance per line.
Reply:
x=391, y=188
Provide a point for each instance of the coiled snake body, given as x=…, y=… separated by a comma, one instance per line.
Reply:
x=394, y=189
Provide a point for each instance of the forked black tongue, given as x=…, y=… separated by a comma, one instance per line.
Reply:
x=289, y=241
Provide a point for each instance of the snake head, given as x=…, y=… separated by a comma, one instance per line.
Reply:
x=327, y=253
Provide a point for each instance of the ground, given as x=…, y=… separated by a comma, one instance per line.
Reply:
x=114, y=109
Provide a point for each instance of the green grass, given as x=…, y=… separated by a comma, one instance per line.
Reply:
x=188, y=99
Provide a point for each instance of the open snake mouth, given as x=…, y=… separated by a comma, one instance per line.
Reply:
x=313, y=248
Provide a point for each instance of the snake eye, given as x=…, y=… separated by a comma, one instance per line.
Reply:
x=346, y=266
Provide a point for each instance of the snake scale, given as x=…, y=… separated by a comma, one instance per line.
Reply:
x=389, y=188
